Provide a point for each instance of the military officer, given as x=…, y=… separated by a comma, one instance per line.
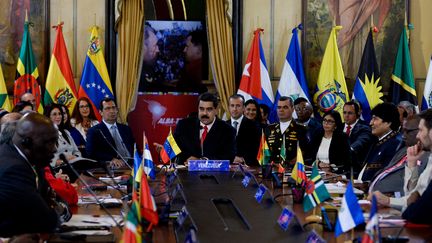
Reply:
x=285, y=132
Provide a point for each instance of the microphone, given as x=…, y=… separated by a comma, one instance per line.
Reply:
x=114, y=148
x=63, y=158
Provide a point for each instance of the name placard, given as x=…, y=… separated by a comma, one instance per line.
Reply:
x=209, y=165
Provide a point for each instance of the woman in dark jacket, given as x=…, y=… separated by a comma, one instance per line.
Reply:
x=330, y=146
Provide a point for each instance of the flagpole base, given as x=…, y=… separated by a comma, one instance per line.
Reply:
x=313, y=219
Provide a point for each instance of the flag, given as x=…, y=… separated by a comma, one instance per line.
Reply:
x=315, y=192
x=170, y=149
x=427, y=94
x=298, y=172
x=403, y=78
x=366, y=89
x=27, y=75
x=95, y=83
x=132, y=227
x=350, y=214
x=332, y=92
x=263, y=156
x=255, y=82
x=137, y=168
x=372, y=232
x=147, y=160
x=148, y=206
x=293, y=80
x=4, y=98
x=60, y=84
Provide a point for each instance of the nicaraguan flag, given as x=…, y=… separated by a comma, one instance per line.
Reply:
x=293, y=80
x=366, y=89
x=427, y=94
x=350, y=214
x=255, y=82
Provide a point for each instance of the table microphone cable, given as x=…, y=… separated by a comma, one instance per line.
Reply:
x=87, y=186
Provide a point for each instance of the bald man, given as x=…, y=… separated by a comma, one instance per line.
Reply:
x=25, y=205
x=29, y=97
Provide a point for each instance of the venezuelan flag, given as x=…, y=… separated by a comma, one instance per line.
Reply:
x=95, y=83
x=4, y=98
x=60, y=85
x=170, y=149
x=298, y=173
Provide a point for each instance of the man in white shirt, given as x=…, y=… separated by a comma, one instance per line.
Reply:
x=247, y=132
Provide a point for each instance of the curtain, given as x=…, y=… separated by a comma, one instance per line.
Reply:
x=130, y=33
x=221, y=50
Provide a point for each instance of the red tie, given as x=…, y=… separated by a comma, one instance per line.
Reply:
x=204, y=135
x=348, y=130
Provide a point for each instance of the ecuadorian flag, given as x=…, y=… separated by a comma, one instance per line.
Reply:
x=332, y=92
x=95, y=82
x=255, y=82
x=60, y=85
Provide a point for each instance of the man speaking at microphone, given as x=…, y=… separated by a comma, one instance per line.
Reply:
x=110, y=142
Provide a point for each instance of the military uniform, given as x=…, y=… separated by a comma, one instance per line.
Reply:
x=293, y=134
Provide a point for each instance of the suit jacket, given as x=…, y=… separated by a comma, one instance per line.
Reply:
x=23, y=208
x=339, y=150
x=218, y=145
x=247, y=141
x=420, y=212
x=360, y=139
x=394, y=180
x=99, y=148
x=380, y=155
x=293, y=134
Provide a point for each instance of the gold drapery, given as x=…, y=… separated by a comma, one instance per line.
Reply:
x=221, y=50
x=130, y=34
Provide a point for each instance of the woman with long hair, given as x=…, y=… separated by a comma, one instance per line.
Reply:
x=83, y=118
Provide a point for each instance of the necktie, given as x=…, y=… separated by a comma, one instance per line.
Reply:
x=348, y=130
x=204, y=135
x=235, y=124
x=121, y=148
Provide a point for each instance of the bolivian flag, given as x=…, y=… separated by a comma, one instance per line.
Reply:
x=263, y=156
x=60, y=85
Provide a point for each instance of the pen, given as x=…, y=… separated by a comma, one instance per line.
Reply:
x=90, y=222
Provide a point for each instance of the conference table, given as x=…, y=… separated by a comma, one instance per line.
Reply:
x=165, y=232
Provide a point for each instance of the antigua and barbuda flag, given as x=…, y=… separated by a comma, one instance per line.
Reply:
x=332, y=92
x=293, y=80
x=427, y=94
x=255, y=82
x=366, y=89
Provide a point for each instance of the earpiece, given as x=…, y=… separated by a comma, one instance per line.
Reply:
x=27, y=142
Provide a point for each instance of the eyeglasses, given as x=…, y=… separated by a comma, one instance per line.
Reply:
x=84, y=106
x=327, y=121
x=409, y=130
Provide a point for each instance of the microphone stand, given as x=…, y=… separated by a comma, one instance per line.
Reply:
x=113, y=148
x=62, y=157
x=115, y=186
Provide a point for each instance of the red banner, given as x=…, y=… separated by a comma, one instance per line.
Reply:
x=154, y=114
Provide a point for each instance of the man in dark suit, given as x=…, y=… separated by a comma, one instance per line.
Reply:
x=206, y=136
x=109, y=141
x=390, y=180
x=287, y=132
x=304, y=113
x=385, y=124
x=248, y=134
x=360, y=136
x=26, y=204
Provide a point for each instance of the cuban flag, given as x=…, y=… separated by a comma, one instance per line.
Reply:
x=147, y=161
x=427, y=95
x=293, y=80
x=255, y=82
x=372, y=232
x=350, y=214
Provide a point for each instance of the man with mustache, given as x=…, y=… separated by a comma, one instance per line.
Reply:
x=206, y=136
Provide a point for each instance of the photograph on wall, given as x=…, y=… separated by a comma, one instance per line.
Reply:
x=356, y=18
x=175, y=57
